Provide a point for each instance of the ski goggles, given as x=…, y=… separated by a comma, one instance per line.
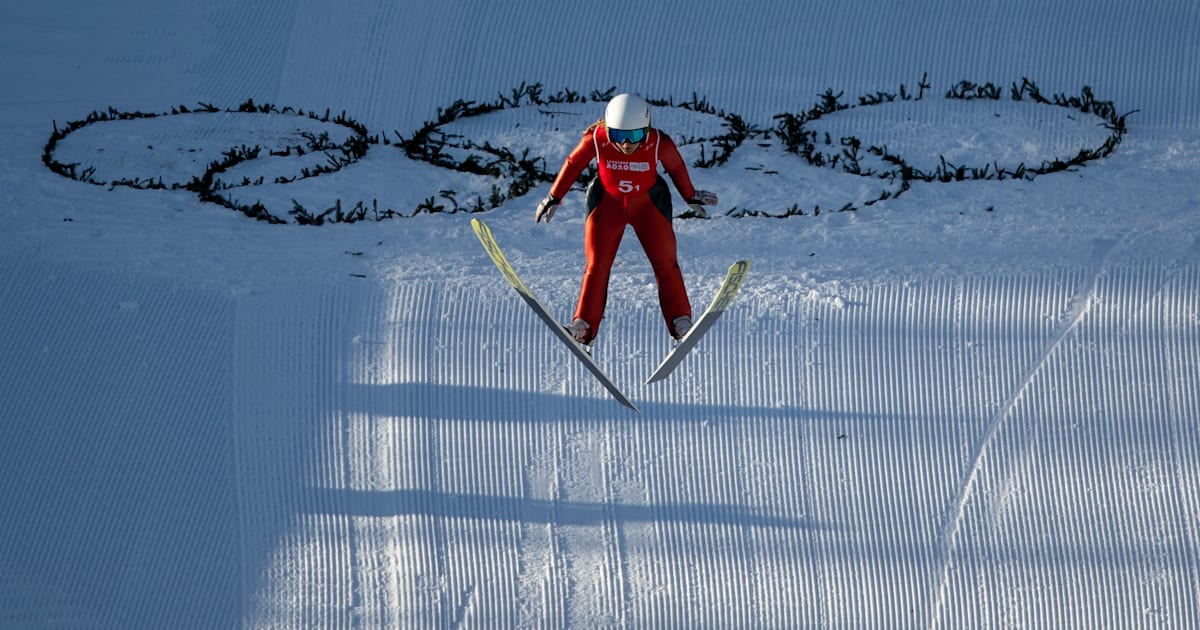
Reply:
x=632, y=136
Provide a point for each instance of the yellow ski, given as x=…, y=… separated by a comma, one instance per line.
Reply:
x=729, y=288
x=506, y=270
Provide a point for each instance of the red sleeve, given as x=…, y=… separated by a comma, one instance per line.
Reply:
x=573, y=166
x=672, y=161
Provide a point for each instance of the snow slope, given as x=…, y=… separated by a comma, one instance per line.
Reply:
x=969, y=404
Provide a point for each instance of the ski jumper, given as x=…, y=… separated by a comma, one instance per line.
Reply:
x=628, y=191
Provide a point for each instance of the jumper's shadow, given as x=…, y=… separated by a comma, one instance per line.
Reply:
x=480, y=404
x=525, y=510
x=427, y=402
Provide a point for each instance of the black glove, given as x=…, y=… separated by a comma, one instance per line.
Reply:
x=546, y=209
x=702, y=198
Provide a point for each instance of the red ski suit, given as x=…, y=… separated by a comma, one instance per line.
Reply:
x=628, y=191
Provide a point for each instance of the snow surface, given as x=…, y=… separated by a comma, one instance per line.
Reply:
x=972, y=404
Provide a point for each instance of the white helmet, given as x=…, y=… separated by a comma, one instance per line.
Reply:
x=627, y=111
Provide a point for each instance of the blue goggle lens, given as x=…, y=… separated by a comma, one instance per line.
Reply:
x=632, y=136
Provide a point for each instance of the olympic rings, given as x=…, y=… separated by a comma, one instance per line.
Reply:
x=485, y=154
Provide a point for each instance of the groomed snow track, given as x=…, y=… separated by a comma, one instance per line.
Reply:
x=909, y=446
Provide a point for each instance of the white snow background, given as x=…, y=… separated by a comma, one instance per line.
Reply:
x=969, y=404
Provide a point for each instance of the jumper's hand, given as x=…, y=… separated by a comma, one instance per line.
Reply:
x=546, y=209
x=702, y=198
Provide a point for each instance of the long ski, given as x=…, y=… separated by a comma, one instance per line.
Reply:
x=506, y=270
x=729, y=288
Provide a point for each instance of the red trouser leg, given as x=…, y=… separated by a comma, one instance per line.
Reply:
x=657, y=236
x=602, y=234
x=602, y=237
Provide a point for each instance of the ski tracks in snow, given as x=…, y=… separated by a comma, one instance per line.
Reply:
x=954, y=517
x=1138, y=298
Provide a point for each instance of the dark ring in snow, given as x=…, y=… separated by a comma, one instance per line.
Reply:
x=515, y=175
x=849, y=153
x=433, y=144
x=323, y=155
